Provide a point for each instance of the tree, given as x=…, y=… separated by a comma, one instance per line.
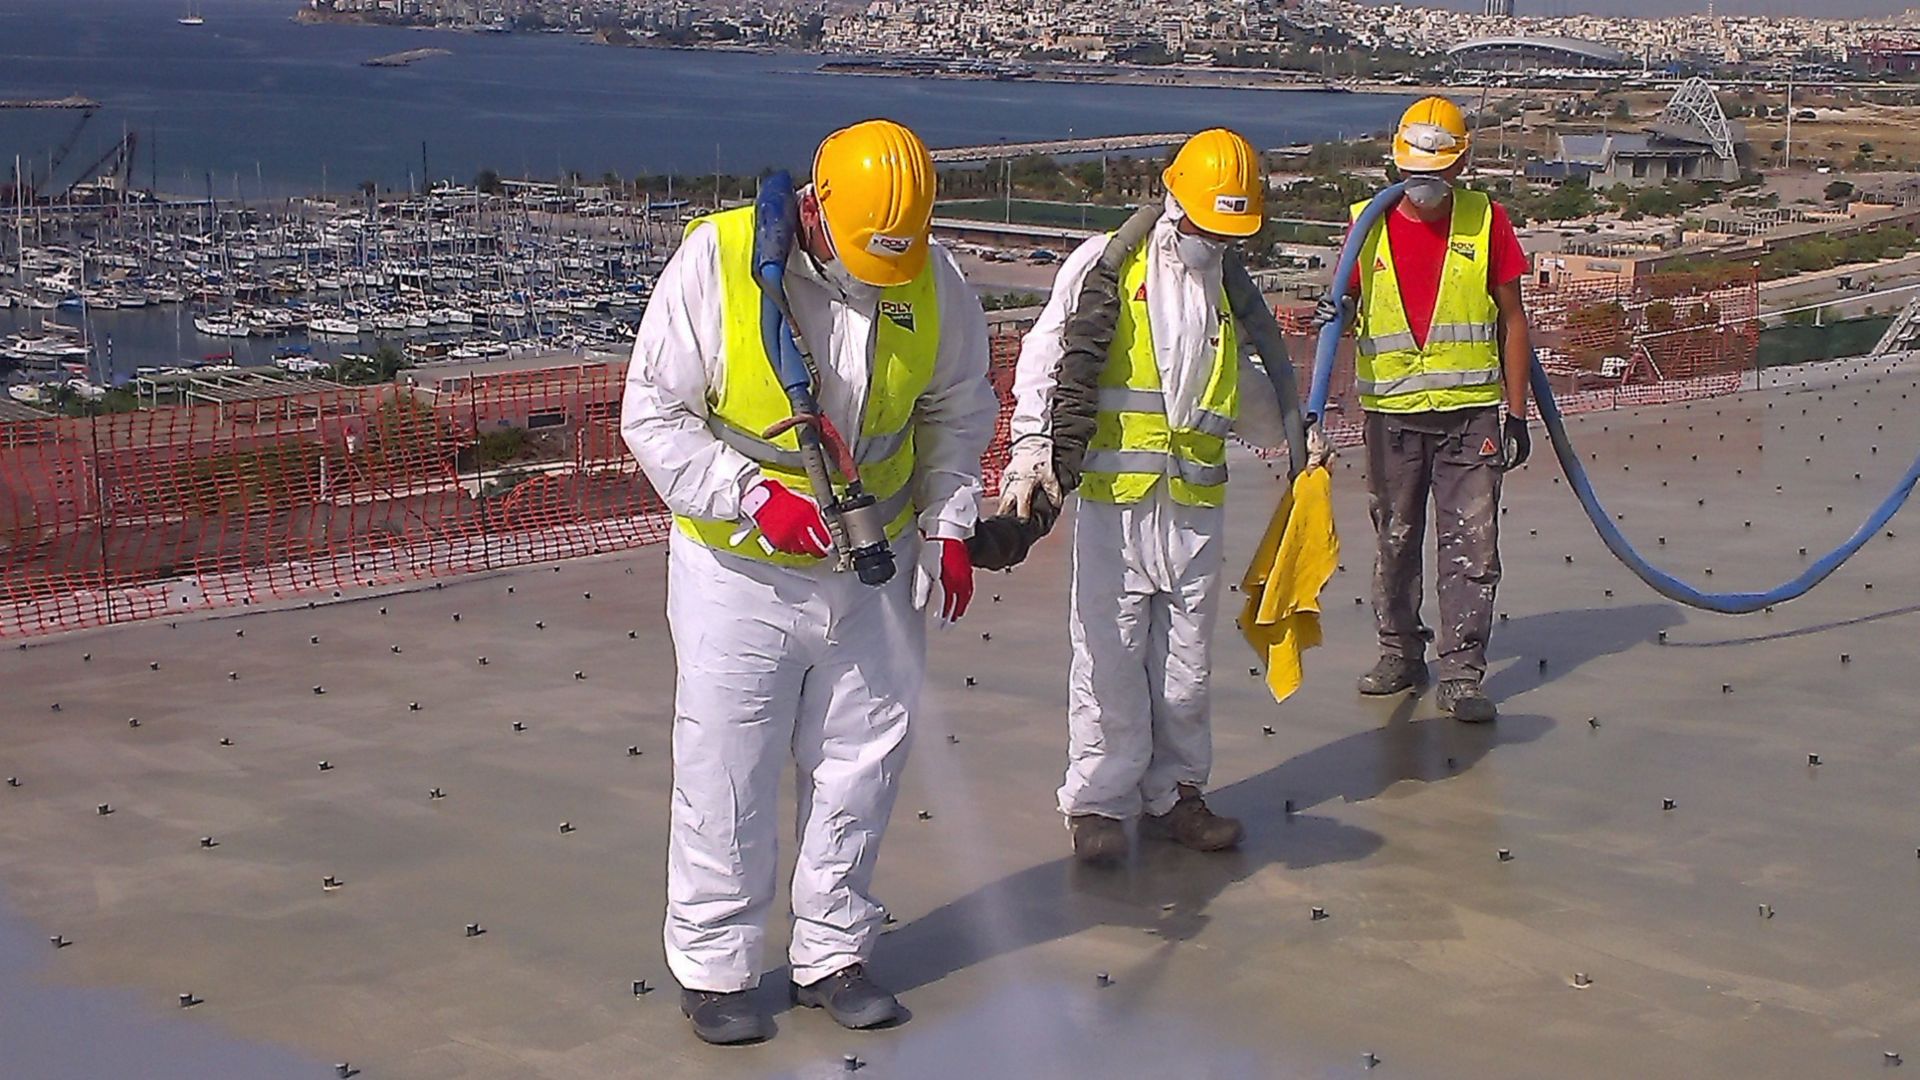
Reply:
x=1839, y=191
x=488, y=182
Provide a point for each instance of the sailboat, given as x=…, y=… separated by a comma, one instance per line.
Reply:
x=192, y=17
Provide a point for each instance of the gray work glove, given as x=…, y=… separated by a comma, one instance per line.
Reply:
x=1327, y=310
x=1030, y=468
x=1319, y=448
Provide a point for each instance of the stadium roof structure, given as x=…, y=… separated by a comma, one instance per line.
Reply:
x=1573, y=52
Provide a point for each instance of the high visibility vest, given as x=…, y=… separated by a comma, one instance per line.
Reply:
x=749, y=399
x=1459, y=366
x=1134, y=447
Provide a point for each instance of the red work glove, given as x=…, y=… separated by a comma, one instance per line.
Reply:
x=945, y=560
x=788, y=522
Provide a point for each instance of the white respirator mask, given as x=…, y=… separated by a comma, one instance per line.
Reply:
x=1427, y=192
x=834, y=273
x=1199, y=252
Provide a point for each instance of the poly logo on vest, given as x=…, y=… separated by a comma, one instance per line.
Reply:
x=1463, y=248
x=899, y=311
x=1229, y=204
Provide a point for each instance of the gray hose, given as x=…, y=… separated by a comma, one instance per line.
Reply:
x=1263, y=333
x=1089, y=335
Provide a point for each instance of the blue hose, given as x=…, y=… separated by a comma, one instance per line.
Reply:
x=1659, y=580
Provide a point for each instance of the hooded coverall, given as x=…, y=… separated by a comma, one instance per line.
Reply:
x=776, y=661
x=1145, y=584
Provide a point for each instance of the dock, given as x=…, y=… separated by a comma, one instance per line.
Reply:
x=71, y=101
x=402, y=59
x=1052, y=147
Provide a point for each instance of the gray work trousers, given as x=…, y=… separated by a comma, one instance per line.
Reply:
x=1457, y=456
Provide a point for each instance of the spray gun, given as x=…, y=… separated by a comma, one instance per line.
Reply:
x=852, y=515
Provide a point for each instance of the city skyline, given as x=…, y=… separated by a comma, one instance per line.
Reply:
x=1844, y=9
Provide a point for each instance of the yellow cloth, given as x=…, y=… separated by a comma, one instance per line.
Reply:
x=1296, y=558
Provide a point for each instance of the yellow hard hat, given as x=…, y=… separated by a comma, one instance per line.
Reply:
x=875, y=183
x=1431, y=137
x=1217, y=180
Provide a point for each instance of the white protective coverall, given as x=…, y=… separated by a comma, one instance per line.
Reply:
x=1146, y=577
x=774, y=660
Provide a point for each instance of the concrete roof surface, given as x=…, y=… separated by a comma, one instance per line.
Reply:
x=1762, y=927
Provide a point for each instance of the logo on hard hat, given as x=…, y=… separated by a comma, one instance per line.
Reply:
x=1229, y=204
x=899, y=311
x=883, y=245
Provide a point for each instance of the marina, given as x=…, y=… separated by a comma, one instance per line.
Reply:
x=453, y=274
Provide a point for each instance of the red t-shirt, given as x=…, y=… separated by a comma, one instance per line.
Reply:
x=1419, y=252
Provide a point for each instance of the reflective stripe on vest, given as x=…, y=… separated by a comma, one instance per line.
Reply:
x=1134, y=447
x=1459, y=366
x=749, y=399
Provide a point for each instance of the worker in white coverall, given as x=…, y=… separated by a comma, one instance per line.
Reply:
x=779, y=653
x=1148, y=536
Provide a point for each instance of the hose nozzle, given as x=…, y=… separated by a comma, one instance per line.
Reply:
x=867, y=546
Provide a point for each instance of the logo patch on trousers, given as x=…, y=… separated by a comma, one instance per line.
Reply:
x=899, y=311
x=1487, y=449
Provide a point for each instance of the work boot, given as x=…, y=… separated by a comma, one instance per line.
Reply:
x=1392, y=675
x=725, y=1019
x=1465, y=701
x=1191, y=824
x=852, y=999
x=1098, y=840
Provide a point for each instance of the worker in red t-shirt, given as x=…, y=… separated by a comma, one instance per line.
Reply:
x=1441, y=342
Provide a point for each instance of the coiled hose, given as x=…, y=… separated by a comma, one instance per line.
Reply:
x=1729, y=603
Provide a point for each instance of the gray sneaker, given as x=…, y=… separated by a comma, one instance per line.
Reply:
x=1465, y=701
x=1392, y=675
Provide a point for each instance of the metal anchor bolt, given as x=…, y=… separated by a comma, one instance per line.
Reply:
x=1266, y=729
x=633, y=751
x=1813, y=759
x=539, y=625
x=641, y=988
x=1593, y=721
x=1582, y=980
x=1891, y=1057
x=383, y=611
x=483, y=661
x=953, y=740
x=1766, y=911
x=209, y=842
x=1505, y=855
x=566, y=827
x=1726, y=688
x=188, y=1001
x=104, y=809
x=319, y=689
x=1101, y=978
x=474, y=929
x=394, y=649
x=314, y=640
x=1254, y=672
x=1316, y=914
x=518, y=726
x=586, y=596
x=1543, y=663
x=233, y=676
x=509, y=590
x=579, y=675
x=456, y=615
x=986, y=636
x=971, y=682
x=325, y=766
x=13, y=781
x=1288, y=807
x=413, y=706
x=1663, y=637
x=926, y=815
x=1666, y=804
x=633, y=635
x=85, y=658
x=133, y=721
x=1846, y=658
x=1369, y=1060
x=343, y=1070
x=154, y=666
x=329, y=883
x=59, y=942
x=436, y=793
x=850, y=1062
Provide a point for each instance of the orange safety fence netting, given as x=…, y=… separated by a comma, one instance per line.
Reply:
x=162, y=511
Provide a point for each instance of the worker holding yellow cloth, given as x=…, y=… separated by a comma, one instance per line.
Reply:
x=1296, y=558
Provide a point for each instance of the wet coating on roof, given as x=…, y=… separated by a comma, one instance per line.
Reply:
x=1639, y=871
